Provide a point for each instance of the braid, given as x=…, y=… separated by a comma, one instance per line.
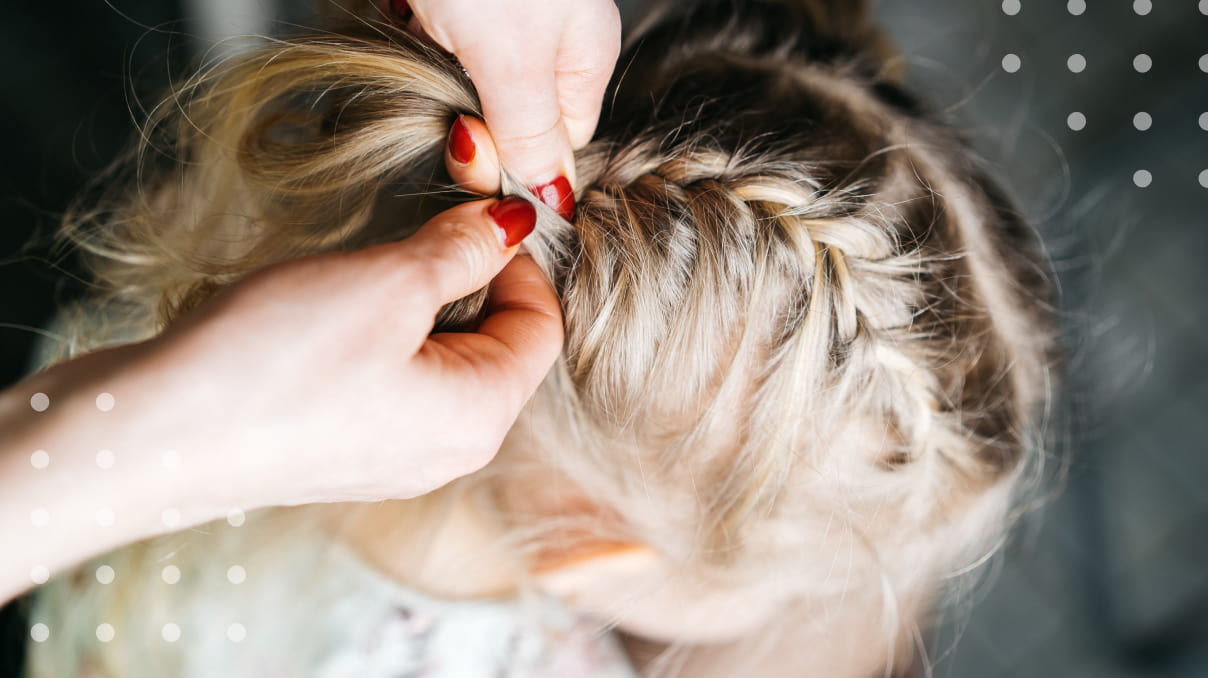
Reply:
x=798, y=322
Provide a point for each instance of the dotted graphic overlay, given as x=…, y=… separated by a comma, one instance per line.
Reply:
x=1057, y=69
x=105, y=402
x=1092, y=59
x=39, y=402
x=103, y=517
x=1095, y=114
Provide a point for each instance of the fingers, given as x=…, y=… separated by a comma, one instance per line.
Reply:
x=541, y=70
x=470, y=156
x=521, y=106
x=585, y=61
x=460, y=250
x=524, y=317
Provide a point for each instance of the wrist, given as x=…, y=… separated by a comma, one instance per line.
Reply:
x=87, y=465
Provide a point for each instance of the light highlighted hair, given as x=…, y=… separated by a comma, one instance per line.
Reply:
x=803, y=325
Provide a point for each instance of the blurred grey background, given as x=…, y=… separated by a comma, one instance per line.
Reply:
x=1096, y=115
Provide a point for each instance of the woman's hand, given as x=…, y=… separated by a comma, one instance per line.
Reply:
x=540, y=68
x=317, y=379
x=323, y=372
x=312, y=380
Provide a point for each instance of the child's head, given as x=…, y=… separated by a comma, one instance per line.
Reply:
x=807, y=337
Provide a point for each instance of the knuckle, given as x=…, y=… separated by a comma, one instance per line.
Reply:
x=464, y=245
x=532, y=137
x=458, y=248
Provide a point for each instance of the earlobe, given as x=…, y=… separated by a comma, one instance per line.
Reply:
x=630, y=586
x=561, y=566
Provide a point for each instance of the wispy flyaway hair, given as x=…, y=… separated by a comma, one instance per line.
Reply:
x=808, y=337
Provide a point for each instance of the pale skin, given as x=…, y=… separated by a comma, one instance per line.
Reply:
x=540, y=68
x=318, y=380
x=315, y=380
x=321, y=348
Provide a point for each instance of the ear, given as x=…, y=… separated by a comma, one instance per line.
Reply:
x=584, y=555
x=631, y=586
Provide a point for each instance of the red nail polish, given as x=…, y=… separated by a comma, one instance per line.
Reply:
x=400, y=9
x=461, y=144
x=559, y=196
x=516, y=217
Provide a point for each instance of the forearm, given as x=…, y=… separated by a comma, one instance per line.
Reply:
x=307, y=381
x=80, y=478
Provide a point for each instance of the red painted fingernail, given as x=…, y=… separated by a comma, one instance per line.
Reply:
x=461, y=144
x=516, y=217
x=559, y=196
x=400, y=9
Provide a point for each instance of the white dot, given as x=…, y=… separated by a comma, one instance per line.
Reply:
x=1204, y=178
x=236, y=574
x=1142, y=7
x=104, y=517
x=1204, y=121
x=1142, y=121
x=40, y=517
x=40, y=574
x=104, y=459
x=1076, y=7
x=170, y=633
x=104, y=633
x=236, y=633
x=1076, y=63
x=1204, y=63
x=170, y=574
x=105, y=402
x=104, y=574
x=1142, y=178
x=1204, y=7
x=235, y=517
x=39, y=632
x=39, y=401
x=1142, y=63
x=170, y=459
x=1010, y=7
x=1076, y=121
x=170, y=517
x=1011, y=63
x=39, y=459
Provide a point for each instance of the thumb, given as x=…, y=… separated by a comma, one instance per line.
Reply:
x=460, y=250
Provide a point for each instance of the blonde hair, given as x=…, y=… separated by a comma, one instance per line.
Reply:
x=791, y=296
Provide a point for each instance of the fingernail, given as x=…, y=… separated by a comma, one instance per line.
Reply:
x=515, y=217
x=461, y=144
x=400, y=9
x=559, y=196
